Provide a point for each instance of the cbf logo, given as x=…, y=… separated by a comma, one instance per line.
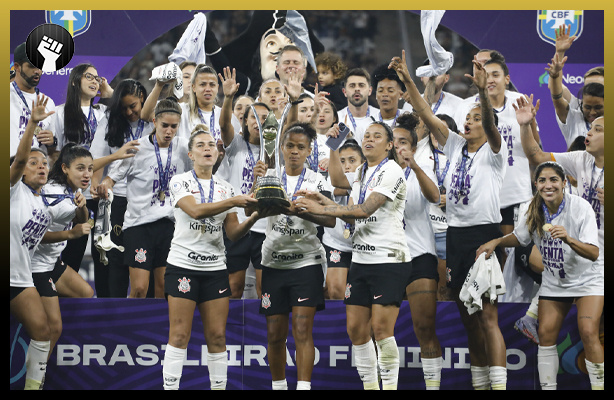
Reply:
x=548, y=21
x=76, y=22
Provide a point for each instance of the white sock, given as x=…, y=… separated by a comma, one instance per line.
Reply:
x=480, y=378
x=280, y=385
x=498, y=378
x=431, y=368
x=532, y=311
x=303, y=385
x=217, y=364
x=596, y=374
x=173, y=366
x=547, y=366
x=365, y=359
x=388, y=360
x=36, y=364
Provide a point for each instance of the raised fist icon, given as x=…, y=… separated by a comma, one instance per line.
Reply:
x=51, y=50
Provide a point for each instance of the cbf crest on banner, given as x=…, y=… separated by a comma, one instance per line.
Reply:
x=76, y=22
x=550, y=20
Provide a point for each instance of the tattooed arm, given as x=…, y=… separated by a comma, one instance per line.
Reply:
x=347, y=213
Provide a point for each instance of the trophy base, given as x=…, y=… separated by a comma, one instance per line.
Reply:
x=270, y=193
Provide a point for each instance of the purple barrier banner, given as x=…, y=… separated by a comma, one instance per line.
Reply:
x=118, y=344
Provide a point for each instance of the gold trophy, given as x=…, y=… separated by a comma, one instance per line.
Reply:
x=268, y=189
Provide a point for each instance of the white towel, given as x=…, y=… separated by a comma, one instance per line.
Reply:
x=166, y=72
x=191, y=46
x=484, y=279
x=440, y=59
x=102, y=229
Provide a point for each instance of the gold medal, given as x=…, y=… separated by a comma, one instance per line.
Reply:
x=346, y=234
x=161, y=195
x=91, y=222
x=547, y=227
x=37, y=130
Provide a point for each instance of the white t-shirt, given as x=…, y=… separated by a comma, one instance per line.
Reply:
x=479, y=201
x=516, y=187
x=581, y=165
x=19, y=116
x=358, y=125
x=242, y=156
x=425, y=157
x=380, y=238
x=319, y=152
x=446, y=104
x=143, y=180
x=100, y=148
x=62, y=215
x=575, y=125
x=565, y=272
x=291, y=242
x=29, y=222
x=333, y=237
x=418, y=229
x=198, y=244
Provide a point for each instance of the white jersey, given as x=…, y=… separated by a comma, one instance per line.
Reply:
x=333, y=237
x=100, y=148
x=436, y=162
x=380, y=238
x=142, y=172
x=516, y=187
x=20, y=114
x=29, y=222
x=575, y=125
x=198, y=244
x=446, y=104
x=358, y=125
x=581, y=166
x=565, y=272
x=62, y=215
x=473, y=191
x=291, y=242
x=416, y=219
x=242, y=157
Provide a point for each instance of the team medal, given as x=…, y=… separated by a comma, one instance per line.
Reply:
x=346, y=233
x=37, y=130
x=161, y=195
x=547, y=227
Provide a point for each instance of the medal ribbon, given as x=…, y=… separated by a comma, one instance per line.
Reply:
x=549, y=217
x=163, y=174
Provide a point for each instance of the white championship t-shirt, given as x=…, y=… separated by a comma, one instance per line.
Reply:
x=565, y=272
x=416, y=219
x=358, y=125
x=473, y=191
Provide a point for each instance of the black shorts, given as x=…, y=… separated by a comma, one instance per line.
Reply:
x=44, y=283
x=198, y=286
x=383, y=284
x=15, y=291
x=521, y=263
x=147, y=246
x=337, y=258
x=462, y=243
x=509, y=214
x=424, y=266
x=244, y=250
x=283, y=289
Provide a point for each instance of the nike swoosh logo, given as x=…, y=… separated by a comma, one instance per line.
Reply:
x=377, y=297
x=222, y=290
x=300, y=300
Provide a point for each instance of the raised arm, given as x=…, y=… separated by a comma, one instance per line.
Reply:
x=413, y=96
x=563, y=43
x=230, y=88
x=429, y=189
x=488, y=115
x=25, y=144
x=525, y=113
x=555, y=84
